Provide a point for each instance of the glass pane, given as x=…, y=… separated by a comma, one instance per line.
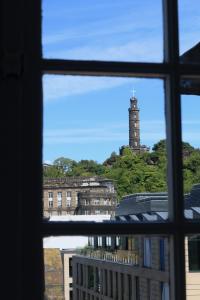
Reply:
x=103, y=30
x=192, y=262
x=191, y=147
x=103, y=144
x=119, y=267
x=189, y=24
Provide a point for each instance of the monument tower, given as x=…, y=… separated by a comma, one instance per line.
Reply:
x=134, y=129
x=134, y=125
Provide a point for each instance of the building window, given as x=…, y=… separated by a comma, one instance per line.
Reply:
x=87, y=202
x=162, y=254
x=97, y=212
x=91, y=241
x=164, y=291
x=106, y=282
x=106, y=201
x=69, y=194
x=50, y=199
x=59, y=199
x=70, y=295
x=134, y=116
x=96, y=201
x=68, y=199
x=90, y=277
x=98, y=285
x=135, y=125
x=111, y=283
x=147, y=252
x=137, y=288
x=117, y=241
x=122, y=285
x=129, y=287
x=70, y=267
x=136, y=144
x=50, y=195
x=81, y=274
x=50, y=203
x=108, y=241
x=99, y=241
x=194, y=253
x=117, y=285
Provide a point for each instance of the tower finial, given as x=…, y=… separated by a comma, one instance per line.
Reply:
x=133, y=92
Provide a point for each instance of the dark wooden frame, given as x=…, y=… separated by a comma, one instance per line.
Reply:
x=21, y=70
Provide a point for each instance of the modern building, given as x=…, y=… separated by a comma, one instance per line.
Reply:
x=137, y=266
x=78, y=195
x=134, y=128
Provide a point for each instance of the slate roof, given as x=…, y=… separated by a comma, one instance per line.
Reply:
x=153, y=207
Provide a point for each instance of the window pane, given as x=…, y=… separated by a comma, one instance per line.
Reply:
x=103, y=30
x=104, y=143
x=192, y=258
x=191, y=147
x=111, y=270
x=189, y=24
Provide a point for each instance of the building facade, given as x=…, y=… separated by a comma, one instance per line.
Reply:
x=125, y=267
x=70, y=196
x=137, y=267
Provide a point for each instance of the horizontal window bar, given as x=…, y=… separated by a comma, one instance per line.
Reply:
x=56, y=66
x=88, y=228
x=132, y=69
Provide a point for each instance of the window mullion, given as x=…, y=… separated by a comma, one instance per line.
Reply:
x=174, y=149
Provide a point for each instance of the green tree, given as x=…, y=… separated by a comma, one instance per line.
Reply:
x=66, y=164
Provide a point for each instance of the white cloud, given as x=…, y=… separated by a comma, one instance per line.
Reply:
x=56, y=87
x=149, y=49
x=114, y=23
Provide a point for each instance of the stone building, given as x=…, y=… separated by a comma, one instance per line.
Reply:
x=63, y=196
x=53, y=269
x=134, y=128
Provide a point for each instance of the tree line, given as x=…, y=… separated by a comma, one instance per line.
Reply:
x=130, y=172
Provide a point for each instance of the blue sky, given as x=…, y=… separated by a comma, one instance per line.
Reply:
x=87, y=117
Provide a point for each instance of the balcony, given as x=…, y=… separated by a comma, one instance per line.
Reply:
x=117, y=256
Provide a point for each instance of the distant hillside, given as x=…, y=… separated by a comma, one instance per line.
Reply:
x=132, y=172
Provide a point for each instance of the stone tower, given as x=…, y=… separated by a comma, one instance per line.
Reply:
x=134, y=125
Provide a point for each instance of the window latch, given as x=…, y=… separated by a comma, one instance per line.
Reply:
x=11, y=65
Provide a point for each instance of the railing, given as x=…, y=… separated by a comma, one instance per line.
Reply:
x=129, y=259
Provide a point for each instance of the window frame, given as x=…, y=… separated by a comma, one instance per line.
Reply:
x=22, y=68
